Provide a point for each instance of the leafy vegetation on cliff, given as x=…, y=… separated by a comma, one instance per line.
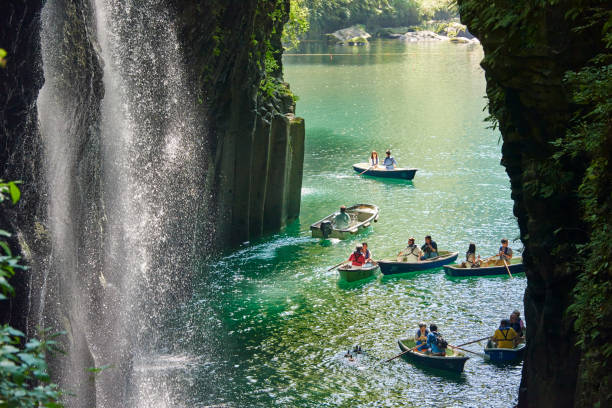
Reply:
x=24, y=381
x=571, y=170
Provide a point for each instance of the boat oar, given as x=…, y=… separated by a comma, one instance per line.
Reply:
x=334, y=267
x=402, y=353
x=369, y=168
x=508, y=269
x=472, y=342
x=468, y=351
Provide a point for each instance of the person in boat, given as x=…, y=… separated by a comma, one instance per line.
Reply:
x=517, y=324
x=366, y=252
x=421, y=337
x=505, y=252
x=411, y=254
x=432, y=342
x=342, y=220
x=374, y=159
x=470, y=258
x=357, y=258
x=389, y=161
x=505, y=336
x=429, y=248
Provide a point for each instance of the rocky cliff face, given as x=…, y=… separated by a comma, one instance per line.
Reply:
x=256, y=141
x=163, y=132
x=529, y=48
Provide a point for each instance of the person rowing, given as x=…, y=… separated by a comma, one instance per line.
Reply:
x=374, y=159
x=357, y=258
x=420, y=337
x=505, y=252
x=411, y=254
x=429, y=248
x=366, y=253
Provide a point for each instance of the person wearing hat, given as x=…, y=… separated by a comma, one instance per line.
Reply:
x=411, y=254
x=389, y=161
x=342, y=220
x=421, y=337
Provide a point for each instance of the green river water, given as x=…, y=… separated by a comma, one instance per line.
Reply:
x=268, y=325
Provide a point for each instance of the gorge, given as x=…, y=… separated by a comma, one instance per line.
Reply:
x=150, y=134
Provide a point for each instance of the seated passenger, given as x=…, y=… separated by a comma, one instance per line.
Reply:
x=433, y=342
x=342, y=220
x=366, y=253
x=517, y=324
x=411, y=254
x=374, y=159
x=357, y=258
x=505, y=252
x=429, y=248
x=505, y=336
x=470, y=258
x=389, y=161
x=421, y=337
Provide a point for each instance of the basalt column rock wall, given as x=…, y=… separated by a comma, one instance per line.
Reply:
x=257, y=143
x=529, y=47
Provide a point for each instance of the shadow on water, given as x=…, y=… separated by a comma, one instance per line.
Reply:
x=408, y=275
x=390, y=181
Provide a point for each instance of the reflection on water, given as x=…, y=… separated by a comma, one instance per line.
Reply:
x=273, y=324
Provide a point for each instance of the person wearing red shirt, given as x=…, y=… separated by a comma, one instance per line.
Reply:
x=357, y=258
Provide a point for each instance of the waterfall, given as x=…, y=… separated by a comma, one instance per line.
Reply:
x=126, y=162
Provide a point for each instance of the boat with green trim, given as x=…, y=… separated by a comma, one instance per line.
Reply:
x=453, y=361
x=381, y=171
x=515, y=266
x=399, y=265
x=351, y=273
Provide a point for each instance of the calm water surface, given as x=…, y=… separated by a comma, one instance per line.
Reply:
x=268, y=325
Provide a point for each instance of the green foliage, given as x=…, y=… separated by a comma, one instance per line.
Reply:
x=24, y=381
x=330, y=15
x=2, y=58
x=590, y=139
x=297, y=26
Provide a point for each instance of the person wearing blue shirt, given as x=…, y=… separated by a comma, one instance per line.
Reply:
x=389, y=161
x=432, y=341
x=505, y=252
x=420, y=337
x=429, y=248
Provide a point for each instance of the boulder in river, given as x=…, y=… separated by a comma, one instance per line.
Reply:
x=422, y=36
x=354, y=35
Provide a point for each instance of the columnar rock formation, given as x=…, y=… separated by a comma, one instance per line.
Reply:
x=529, y=47
x=163, y=132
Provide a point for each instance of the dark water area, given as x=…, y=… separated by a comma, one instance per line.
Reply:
x=268, y=325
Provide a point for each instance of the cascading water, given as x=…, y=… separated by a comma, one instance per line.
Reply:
x=125, y=168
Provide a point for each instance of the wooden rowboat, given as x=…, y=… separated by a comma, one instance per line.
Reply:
x=352, y=273
x=453, y=361
x=505, y=355
x=362, y=216
x=393, y=266
x=515, y=266
x=381, y=171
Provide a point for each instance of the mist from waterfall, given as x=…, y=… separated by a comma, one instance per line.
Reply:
x=126, y=173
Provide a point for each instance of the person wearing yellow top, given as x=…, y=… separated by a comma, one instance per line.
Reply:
x=505, y=336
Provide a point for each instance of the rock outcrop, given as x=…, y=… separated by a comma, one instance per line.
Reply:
x=354, y=35
x=99, y=144
x=529, y=48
